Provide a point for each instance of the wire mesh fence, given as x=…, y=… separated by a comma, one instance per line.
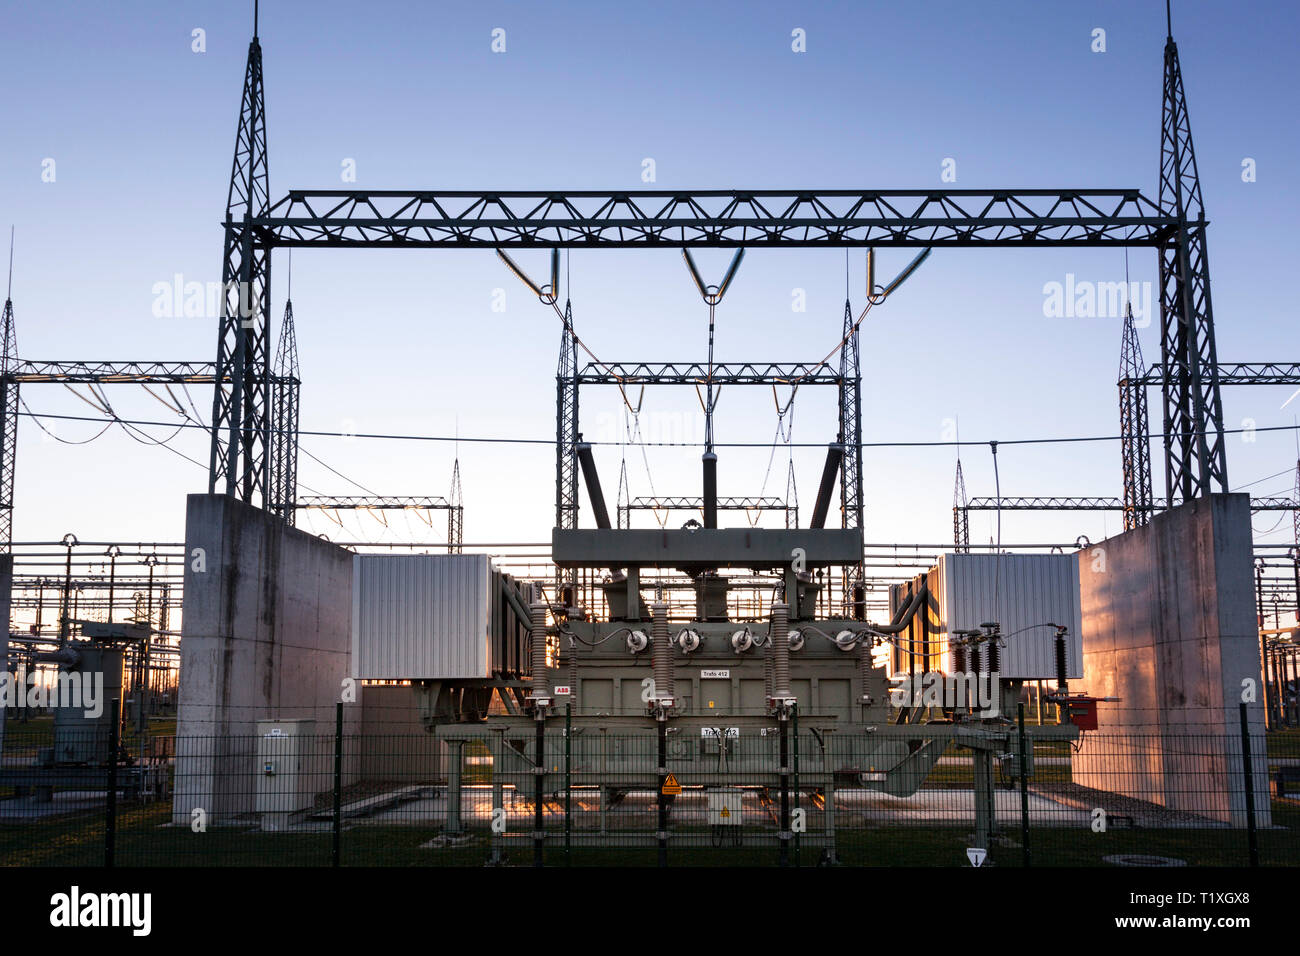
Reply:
x=303, y=793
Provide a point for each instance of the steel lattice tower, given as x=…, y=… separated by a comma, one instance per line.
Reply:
x=455, y=512
x=9, y=426
x=624, y=498
x=1195, y=457
x=566, y=434
x=1135, y=447
x=240, y=419
x=960, y=513
x=284, y=419
x=851, y=435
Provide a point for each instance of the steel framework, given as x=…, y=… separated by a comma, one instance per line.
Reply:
x=1135, y=446
x=689, y=373
x=8, y=424
x=960, y=513
x=455, y=510
x=1065, y=503
x=1195, y=456
x=697, y=504
x=1175, y=226
x=1133, y=383
x=15, y=372
x=284, y=419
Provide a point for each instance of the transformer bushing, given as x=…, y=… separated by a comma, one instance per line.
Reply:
x=779, y=639
x=539, y=695
x=661, y=657
x=865, y=670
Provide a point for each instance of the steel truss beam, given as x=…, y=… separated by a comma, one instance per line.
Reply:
x=15, y=372
x=111, y=373
x=688, y=503
x=580, y=218
x=1132, y=397
x=455, y=511
x=1102, y=504
x=1242, y=373
x=373, y=502
x=694, y=373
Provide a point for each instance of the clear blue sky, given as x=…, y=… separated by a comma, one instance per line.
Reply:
x=141, y=130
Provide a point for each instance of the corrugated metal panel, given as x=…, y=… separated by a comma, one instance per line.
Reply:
x=422, y=617
x=1032, y=589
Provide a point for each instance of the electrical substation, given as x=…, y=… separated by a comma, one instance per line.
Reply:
x=704, y=682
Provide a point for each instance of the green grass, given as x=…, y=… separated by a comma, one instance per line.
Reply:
x=145, y=839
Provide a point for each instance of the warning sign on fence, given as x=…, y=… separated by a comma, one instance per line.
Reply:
x=671, y=787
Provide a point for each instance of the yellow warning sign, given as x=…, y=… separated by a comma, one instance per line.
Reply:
x=725, y=813
x=671, y=787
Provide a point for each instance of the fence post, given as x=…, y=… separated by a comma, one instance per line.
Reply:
x=1251, y=837
x=110, y=801
x=662, y=805
x=539, y=835
x=568, y=778
x=794, y=717
x=338, y=784
x=1024, y=784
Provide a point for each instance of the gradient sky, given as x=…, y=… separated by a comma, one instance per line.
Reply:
x=141, y=130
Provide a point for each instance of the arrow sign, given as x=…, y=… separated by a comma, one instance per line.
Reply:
x=976, y=856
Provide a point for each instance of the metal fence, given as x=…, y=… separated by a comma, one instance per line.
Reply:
x=720, y=797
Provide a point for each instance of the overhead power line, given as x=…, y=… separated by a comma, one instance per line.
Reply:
x=966, y=443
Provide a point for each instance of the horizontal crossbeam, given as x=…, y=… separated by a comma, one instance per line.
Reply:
x=720, y=218
x=1101, y=504
x=695, y=373
x=373, y=502
x=1247, y=373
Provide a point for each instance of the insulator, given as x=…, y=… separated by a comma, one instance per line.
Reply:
x=637, y=641
x=742, y=641
x=865, y=668
x=688, y=640
x=537, y=634
x=780, y=650
x=796, y=641
x=846, y=640
x=958, y=658
x=993, y=656
x=573, y=673
x=661, y=652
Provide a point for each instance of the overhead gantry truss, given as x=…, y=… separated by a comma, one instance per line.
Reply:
x=15, y=373
x=695, y=373
x=455, y=512
x=689, y=503
x=1174, y=225
x=1134, y=381
x=1063, y=503
x=713, y=217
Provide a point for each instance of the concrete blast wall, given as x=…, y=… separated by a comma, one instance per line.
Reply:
x=1169, y=626
x=265, y=634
